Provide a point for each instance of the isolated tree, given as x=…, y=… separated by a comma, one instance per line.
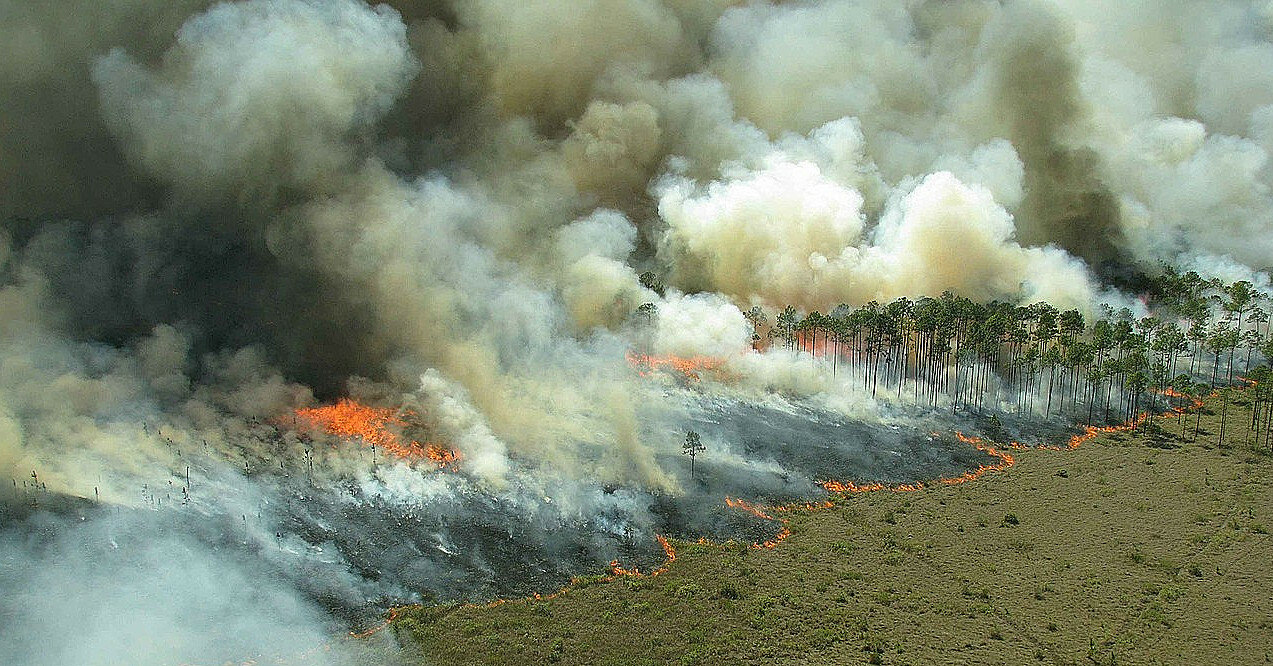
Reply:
x=1219, y=340
x=1202, y=390
x=692, y=447
x=1137, y=382
x=1199, y=324
x=1252, y=339
x=1224, y=412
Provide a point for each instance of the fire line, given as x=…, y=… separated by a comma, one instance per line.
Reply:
x=378, y=427
x=1005, y=460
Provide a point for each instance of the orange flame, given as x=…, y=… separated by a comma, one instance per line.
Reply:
x=616, y=572
x=1005, y=460
x=669, y=553
x=777, y=539
x=689, y=367
x=442, y=456
x=1173, y=393
x=848, y=487
x=764, y=514
x=376, y=426
x=393, y=615
x=1091, y=432
x=748, y=507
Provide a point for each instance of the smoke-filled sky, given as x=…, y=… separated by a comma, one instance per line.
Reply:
x=214, y=213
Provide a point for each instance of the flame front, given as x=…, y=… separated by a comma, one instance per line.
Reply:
x=378, y=427
x=762, y=513
x=744, y=505
x=616, y=572
x=1004, y=461
x=690, y=367
x=442, y=456
x=669, y=553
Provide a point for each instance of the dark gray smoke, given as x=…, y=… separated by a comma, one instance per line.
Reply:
x=1034, y=74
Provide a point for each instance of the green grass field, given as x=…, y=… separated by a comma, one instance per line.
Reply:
x=1133, y=549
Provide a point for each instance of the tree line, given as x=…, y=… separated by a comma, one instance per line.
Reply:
x=950, y=351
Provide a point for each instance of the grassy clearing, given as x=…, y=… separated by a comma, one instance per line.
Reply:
x=1134, y=549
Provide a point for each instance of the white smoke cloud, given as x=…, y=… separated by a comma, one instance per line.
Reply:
x=700, y=325
x=948, y=235
x=452, y=412
x=854, y=59
x=613, y=147
x=546, y=62
x=1189, y=192
x=137, y=595
x=456, y=199
x=788, y=232
x=758, y=234
x=258, y=95
x=598, y=286
x=995, y=166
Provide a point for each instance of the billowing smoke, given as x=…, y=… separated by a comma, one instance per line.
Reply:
x=254, y=100
x=217, y=213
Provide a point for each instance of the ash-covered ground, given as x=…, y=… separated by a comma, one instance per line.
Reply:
x=216, y=213
x=277, y=537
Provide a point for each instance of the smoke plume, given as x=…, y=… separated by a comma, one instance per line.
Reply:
x=217, y=213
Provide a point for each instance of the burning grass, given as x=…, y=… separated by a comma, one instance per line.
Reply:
x=1003, y=461
x=689, y=367
x=378, y=427
x=1068, y=556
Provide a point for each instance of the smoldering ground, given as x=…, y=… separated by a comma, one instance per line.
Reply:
x=216, y=565
x=216, y=213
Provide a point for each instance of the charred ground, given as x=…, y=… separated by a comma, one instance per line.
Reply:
x=1135, y=548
